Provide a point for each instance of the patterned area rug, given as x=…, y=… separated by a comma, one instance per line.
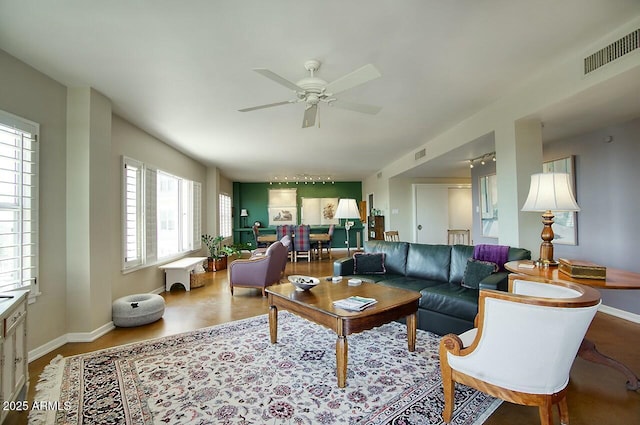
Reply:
x=232, y=374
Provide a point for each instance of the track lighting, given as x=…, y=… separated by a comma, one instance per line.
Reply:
x=483, y=159
x=301, y=177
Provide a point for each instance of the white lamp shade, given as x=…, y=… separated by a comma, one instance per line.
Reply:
x=550, y=192
x=244, y=213
x=347, y=208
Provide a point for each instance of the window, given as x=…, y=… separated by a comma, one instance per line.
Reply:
x=132, y=213
x=18, y=202
x=161, y=214
x=224, y=214
x=168, y=198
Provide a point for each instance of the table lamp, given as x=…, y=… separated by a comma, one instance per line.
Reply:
x=347, y=209
x=549, y=192
x=244, y=214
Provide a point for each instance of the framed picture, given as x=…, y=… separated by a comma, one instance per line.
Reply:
x=565, y=226
x=282, y=215
x=489, y=205
x=319, y=211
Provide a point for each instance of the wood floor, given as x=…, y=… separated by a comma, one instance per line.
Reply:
x=597, y=394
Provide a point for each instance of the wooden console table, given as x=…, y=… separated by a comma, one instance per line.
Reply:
x=616, y=279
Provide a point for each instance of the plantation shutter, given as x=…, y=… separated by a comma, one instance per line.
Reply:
x=151, y=214
x=197, y=214
x=18, y=202
x=133, y=204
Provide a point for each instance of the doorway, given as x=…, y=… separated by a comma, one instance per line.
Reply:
x=439, y=207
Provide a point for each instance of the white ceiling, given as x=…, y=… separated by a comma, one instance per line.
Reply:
x=180, y=70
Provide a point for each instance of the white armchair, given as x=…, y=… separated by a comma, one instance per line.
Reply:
x=523, y=345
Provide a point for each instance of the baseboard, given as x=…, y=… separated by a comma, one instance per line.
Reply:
x=90, y=336
x=622, y=314
x=70, y=337
x=38, y=352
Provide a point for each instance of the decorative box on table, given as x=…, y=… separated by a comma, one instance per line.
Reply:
x=582, y=269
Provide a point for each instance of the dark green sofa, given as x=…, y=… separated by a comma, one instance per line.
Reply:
x=436, y=271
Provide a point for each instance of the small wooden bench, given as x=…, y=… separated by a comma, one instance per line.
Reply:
x=180, y=271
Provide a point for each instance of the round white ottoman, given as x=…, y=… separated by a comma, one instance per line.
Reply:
x=137, y=309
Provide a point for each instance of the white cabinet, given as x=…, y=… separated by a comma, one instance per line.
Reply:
x=13, y=349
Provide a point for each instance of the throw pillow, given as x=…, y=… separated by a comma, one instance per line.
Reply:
x=477, y=270
x=368, y=263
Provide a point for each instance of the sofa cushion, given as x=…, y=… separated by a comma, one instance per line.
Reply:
x=409, y=283
x=451, y=299
x=368, y=263
x=459, y=256
x=395, y=260
x=376, y=278
x=476, y=271
x=430, y=262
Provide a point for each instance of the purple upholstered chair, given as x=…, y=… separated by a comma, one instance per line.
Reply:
x=259, y=272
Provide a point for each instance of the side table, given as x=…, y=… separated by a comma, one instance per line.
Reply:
x=616, y=279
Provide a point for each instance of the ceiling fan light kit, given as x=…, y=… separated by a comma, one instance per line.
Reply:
x=313, y=90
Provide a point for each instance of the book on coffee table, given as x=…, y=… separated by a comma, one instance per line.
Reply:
x=355, y=303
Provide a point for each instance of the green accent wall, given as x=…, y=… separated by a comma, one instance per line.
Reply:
x=254, y=197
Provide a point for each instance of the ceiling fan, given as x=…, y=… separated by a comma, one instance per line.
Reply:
x=313, y=90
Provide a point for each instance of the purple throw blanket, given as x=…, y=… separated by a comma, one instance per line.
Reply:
x=498, y=254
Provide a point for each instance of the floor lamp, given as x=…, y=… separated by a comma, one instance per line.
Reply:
x=549, y=192
x=347, y=209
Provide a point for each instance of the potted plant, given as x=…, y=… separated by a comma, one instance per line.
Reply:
x=217, y=252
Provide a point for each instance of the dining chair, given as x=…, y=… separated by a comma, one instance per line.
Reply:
x=327, y=244
x=523, y=345
x=302, y=243
x=392, y=236
x=458, y=236
x=282, y=231
x=256, y=236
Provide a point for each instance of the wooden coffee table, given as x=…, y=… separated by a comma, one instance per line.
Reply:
x=316, y=305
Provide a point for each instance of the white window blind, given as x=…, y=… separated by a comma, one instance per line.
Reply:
x=18, y=202
x=133, y=235
x=224, y=214
x=197, y=216
x=150, y=217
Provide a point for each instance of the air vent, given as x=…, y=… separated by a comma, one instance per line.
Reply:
x=613, y=51
x=421, y=153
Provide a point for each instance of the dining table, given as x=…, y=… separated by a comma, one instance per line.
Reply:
x=313, y=237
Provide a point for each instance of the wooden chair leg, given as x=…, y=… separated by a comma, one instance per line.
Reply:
x=546, y=413
x=563, y=409
x=449, y=387
x=231, y=287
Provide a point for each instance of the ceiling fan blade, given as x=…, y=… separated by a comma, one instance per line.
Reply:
x=278, y=79
x=309, y=119
x=270, y=105
x=355, y=78
x=358, y=107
